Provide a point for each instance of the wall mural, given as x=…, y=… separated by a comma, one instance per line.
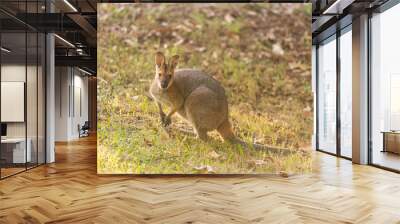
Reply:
x=204, y=89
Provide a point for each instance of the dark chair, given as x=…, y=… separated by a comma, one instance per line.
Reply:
x=84, y=130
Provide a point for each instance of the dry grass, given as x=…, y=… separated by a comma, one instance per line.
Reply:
x=259, y=52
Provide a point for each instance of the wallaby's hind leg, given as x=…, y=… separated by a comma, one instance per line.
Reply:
x=226, y=132
x=204, y=109
x=201, y=134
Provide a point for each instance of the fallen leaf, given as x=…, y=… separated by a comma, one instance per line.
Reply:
x=215, y=55
x=179, y=42
x=201, y=49
x=271, y=35
x=306, y=73
x=184, y=28
x=204, y=168
x=251, y=13
x=283, y=174
x=131, y=43
x=277, y=49
x=214, y=155
x=307, y=109
x=210, y=169
x=200, y=168
x=229, y=18
x=257, y=162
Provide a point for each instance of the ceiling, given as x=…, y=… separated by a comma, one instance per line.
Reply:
x=73, y=21
x=330, y=15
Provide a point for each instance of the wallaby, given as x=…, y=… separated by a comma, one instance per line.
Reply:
x=196, y=97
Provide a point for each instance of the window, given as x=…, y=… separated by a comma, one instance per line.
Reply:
x=22, y=101
x=346, y=92
x=327, y=95
x=385, y=89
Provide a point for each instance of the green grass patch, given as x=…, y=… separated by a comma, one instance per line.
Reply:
x=269, y=94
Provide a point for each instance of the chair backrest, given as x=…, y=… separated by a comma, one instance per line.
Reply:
x=86, y=125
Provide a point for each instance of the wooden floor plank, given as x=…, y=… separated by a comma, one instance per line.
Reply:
x=70, y=191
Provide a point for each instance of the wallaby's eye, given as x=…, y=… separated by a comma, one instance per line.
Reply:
x=159, y=74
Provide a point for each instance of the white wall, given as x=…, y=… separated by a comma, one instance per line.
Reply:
x=80, y=88
x=33, y=126
x=13, y=101
x=12, y=73
x=70, y=83
x=62, y=81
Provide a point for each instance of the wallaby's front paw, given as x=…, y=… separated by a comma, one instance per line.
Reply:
x=166, y=121
x=162, y=118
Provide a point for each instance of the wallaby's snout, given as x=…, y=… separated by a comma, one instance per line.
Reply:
x=165, y=70
x=164, y=83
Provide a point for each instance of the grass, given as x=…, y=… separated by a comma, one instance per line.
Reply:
x=269, y=93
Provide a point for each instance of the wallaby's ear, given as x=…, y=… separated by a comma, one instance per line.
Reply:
x=160, y=59
x=174, y=61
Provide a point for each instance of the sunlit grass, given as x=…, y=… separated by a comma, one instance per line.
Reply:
x=268, y=100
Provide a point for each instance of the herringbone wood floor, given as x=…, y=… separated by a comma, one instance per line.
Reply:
x=69, y=191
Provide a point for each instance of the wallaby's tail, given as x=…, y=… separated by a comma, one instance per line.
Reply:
x=256, y=146
x=225, y=130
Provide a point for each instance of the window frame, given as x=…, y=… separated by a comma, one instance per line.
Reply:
x=338, y=33
x=31, y=30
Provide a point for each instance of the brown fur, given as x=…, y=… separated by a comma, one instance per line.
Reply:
x=194, y=95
